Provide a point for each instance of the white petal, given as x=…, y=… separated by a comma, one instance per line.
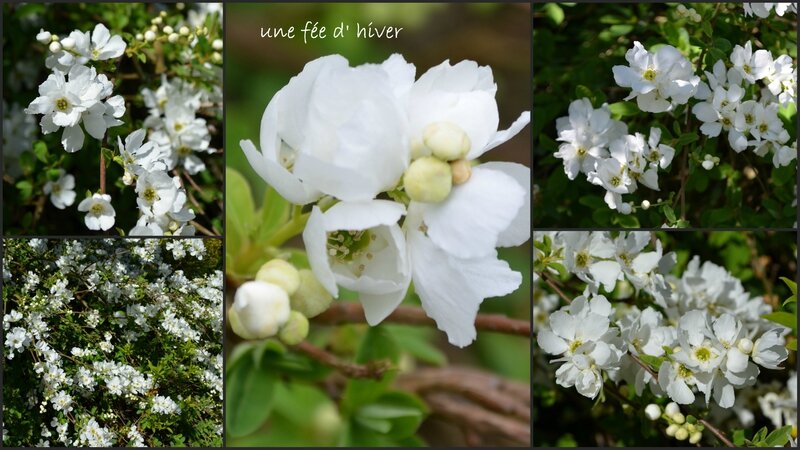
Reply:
x=93, y=121
x=378, y=306
x=737, y=361
x=551, y=343
x=606, y=273
x=288, y=185
x=316, y=243
x=502, y=136
x=469, y=222
x=520, y=229
x=72, y=138
x=362, y=215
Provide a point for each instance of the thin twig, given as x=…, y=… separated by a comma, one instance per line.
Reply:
x=374, y=370
x=102, y=172
x=717, y=432
x=644, y=366
x=352, y=312
x=555, y=287
x=202, y=229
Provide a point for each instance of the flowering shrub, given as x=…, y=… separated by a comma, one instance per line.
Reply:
x=381, y=220
x=126, y=123
x=704, y=101
x=619, y=315
x=112, y=343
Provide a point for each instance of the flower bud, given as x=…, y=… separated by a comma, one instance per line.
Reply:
x=295, y=330
x=745, y=346
x=168, y=29
x=68, y=43
x=418, y=149
x=645, y=204
x=139, y=37
x=157, y=20
x=625, y=208
x=280, y=273
x=652, y=411
x=672, y=429
x=259, y=310
x=672, y=408
x=55, y=47
x=681, y=434
x=311, y=298
x=428, y=180
x=184, y=31
x=695, y=437
x=149, y=36
x=217, y=44
x=43, y=36
x=172, y=38
x=707, y=164
x=216, y=57
x=678, y=418
x=446, y=140
x=462, y=170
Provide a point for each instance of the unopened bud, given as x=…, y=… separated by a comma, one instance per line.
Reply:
x=149, y=36
x=428, y=180
x=217, y=44
x=139, y=37
x=645, y=204
x=695, y=437
x=157, y=20
x=446, y=140
x=462, y=170
x=625, y=208
x=68, y=43
x=43, y=36
x=672, y=429
x=311, y=298
x=708, y=164
x=216, y=57
x=652, y=411
x=184, y=31
x=295, y=330
x=745, y=346
x=172, y=38
x=168, y=30
x=280, y=273
x=678, y=418
x=672, y=407
x=55, y=47
x=681, y=434
x=259, y=310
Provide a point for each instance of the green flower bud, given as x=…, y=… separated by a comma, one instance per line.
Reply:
x=428, y=180
x=695, y=437
x=281, y=273
x=681, y=434
x=295, y=330
x=672, y=429
x=678, y=418
x=446, y=140
x=311, y=298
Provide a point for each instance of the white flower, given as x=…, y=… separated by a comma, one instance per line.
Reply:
x=99, y=212
x=61, y=191
x=158, y=193
x=333, y=123
x=139, y=157
x=359, y=246
x=659, y=80
x=259, y=310
x=652, y=411
x=165, y=405
x=586, y=134
x=751, y=66
x=769, y=350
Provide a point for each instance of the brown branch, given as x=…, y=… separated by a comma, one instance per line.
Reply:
x=463, y=412
x=352, y=312
x=374, y=369
x=717, y=432
x=555, y=287
x=644, y=366
x=202, y=229
x=102, y=172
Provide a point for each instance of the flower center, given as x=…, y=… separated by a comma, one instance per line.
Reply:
x=615, y=181
x=62, y=104
x=56, y=189
x=748, y=118
x=97, y=209
x=654, y=156
x=574, y=345
x=726, y=121
x=581, y=152
x=581, y=259
x=684, y=372
x=625, y=258
x=184, y=150
x=649, y=74
x=702, y=354
x=178, y=126
x=724, y=103
x=345, y=245
x=95, y=53
x=150, y=195
x=746, y=68
x=763, y=128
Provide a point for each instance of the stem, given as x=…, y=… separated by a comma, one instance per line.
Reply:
x=351, y=312
x=555, y=287
x=717, y=432
x=102, y=172
x=374, y=369
x=290, y=229
x=644, y=366
x=202, y=229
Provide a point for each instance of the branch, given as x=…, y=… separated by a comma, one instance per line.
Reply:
x=374, y=370
x=644, y=366
x=352, y=312
x=479, y=420
x=555, y=287
x=717, y=432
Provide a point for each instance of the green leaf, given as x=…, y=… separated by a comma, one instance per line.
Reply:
x=622, y=109
x=706, y=27
x=686, y=138
x=27, y=162
x=25, y=188
x=376, y=345
x=274, y=213
x=142, y=57
x=403, y=411
x=669, y=213
x=760, y=435
x=652, y=361
x=792, y=286
x=416, y=341
x=792, y=345
x=582, y=91
x=738, y=437
x=783, y=318
x=554, y=13
x=40, y=150
x=723, y=44
x=240, y=209
x=248, y=397
x=779, y=437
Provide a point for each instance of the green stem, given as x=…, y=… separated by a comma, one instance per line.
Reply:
x=290, y=229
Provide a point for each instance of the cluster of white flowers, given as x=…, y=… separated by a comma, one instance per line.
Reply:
x=338, y=137
x=659, y=81
x=763, y=10
x=704, y=334
x=752, y=123
x=96, y=367
x=595, y=144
